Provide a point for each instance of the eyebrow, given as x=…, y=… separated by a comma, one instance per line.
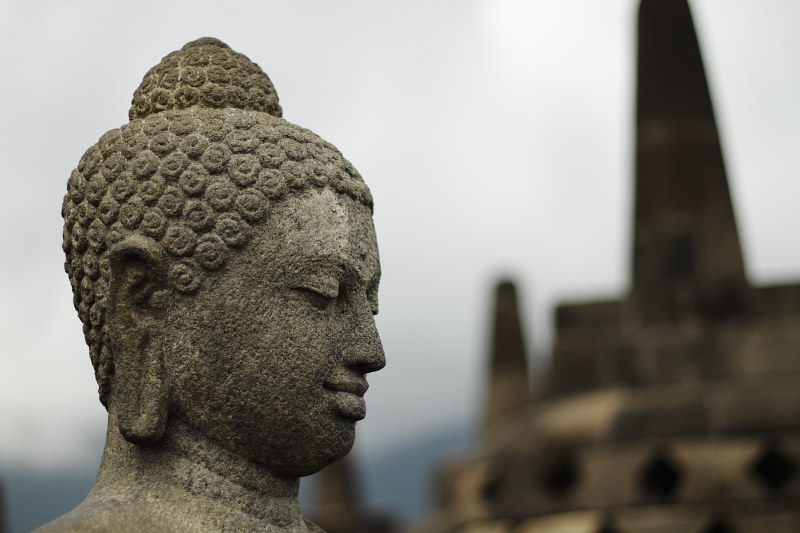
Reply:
x=336, y=262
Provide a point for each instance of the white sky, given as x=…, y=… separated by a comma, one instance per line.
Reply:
x=495, y=136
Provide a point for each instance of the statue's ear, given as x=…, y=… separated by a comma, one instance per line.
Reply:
x=134, y=319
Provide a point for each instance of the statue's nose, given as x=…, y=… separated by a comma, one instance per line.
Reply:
x=364, y=350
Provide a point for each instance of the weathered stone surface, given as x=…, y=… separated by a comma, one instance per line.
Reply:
x=574, y=522
x=225, y=267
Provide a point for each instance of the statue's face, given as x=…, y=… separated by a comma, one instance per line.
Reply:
x=269, y=357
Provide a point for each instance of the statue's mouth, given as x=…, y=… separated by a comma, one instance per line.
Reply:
x=348, y=396
x=352, y=383
x=349, y=406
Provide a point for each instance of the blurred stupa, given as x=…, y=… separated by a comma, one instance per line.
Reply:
x=675, y=408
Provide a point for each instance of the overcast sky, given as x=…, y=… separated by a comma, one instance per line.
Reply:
x=495, y=136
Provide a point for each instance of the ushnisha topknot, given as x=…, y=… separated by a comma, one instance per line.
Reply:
x=205, y=73
x=201, y=163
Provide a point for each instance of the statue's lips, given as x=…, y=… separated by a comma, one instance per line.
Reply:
x=348, y=397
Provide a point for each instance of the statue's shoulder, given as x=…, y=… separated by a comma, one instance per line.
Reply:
x=108, y=517
x=105, y=518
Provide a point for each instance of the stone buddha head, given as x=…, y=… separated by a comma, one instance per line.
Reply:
x=223, y=262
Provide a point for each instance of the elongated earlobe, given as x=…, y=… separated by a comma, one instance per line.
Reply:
x=139, y=392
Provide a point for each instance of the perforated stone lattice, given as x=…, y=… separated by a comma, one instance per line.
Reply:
x=772, y=468
x=560, y=476
x=661, y=476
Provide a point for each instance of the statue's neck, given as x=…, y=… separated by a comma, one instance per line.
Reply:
x=185, y=472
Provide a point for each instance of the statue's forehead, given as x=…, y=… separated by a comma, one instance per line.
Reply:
x=320, y=226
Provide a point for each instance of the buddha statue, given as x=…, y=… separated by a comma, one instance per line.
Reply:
x=224, y=264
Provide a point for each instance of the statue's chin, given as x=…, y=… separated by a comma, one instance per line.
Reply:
x=319, y=452
x=302, y=455
x=314, y=467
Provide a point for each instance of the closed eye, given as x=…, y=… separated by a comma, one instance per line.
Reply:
x=316, y=298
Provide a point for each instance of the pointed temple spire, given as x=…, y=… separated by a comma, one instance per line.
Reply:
x=339, y=509
x=687, y=256
x=509, y=389
x=337, y=505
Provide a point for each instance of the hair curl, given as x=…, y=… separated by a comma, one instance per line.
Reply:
x=204, y=73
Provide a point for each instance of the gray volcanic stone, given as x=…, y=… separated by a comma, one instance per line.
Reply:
x=224, y=265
